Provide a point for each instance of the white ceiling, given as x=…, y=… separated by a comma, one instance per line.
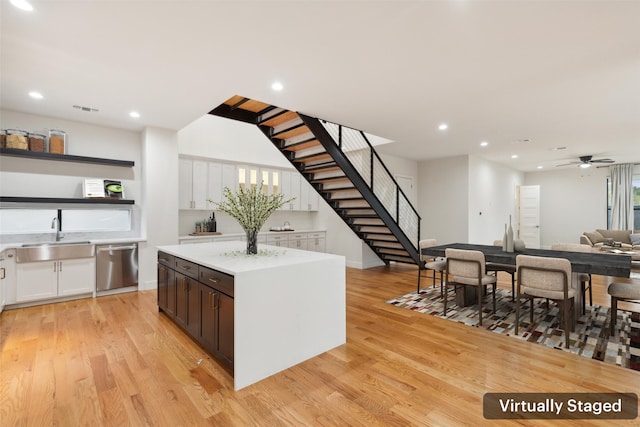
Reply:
x=558, y=73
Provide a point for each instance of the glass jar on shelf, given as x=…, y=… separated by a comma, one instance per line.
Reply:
x=57, y=141
x=17, y=139
x=37, y=142
x=3, y=138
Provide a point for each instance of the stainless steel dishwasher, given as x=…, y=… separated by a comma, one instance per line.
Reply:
x=116, y=266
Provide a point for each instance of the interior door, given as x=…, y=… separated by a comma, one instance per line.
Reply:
x=529, y=215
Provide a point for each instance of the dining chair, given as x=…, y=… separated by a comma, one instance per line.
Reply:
x=427, y=262
x=507, y=268
x=545, y=277
x=621, y=292
x=584, y=278
x=467, y=268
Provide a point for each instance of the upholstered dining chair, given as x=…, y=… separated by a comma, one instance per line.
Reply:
x=507, y=268
x=467, y=268
x=545, y=277
x=584, y=278
x=436, y=264
x=621, y=292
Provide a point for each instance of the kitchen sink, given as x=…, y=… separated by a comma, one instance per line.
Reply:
x=55, y=251
x=30, y=245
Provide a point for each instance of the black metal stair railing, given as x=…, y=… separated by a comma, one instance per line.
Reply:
x=387, y=220
x=358, y=150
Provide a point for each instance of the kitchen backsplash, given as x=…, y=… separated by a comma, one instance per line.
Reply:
x=225, y=224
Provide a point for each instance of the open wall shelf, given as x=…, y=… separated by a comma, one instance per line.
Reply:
x=64, y=157
x=96, y=201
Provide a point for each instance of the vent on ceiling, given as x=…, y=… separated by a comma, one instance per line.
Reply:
x=87, y=109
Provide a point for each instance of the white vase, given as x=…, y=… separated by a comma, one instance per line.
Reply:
x=504, y=239
x=510, y=237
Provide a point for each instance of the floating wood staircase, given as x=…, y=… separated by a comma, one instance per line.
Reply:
x=344, y=169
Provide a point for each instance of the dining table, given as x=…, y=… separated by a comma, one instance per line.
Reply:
x=605, y=264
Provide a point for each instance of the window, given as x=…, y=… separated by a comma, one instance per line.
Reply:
x=636, y=202
x=93, y=220
x=24, y=221
x=29, y=221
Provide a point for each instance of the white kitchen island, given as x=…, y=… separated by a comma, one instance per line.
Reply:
x=289, y=304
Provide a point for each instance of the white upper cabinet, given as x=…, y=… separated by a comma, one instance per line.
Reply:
x=229, y=178
x=215, y=182
x=202, y=180
x=193, y=176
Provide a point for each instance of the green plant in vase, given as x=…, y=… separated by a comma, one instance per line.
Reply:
x=251, y=208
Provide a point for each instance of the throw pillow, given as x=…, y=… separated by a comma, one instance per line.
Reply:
x=594, y=236
x=635, y=239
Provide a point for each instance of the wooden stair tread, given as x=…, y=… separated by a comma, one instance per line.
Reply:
x=279, y=119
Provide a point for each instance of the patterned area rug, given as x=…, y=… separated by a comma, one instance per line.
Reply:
x=591, y=337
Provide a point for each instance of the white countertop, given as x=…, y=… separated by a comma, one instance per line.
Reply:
x=262, y=233
x=229, y=257
x=5, y=246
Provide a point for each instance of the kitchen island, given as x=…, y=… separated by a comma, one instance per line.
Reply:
x=287, y=305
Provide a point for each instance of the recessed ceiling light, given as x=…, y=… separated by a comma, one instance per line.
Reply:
x=514, y=156
x=443, y=126
x=539, y=167
x=484, y=144
x=35, y=95
x=22, y=4
x=134, y=114
x=558, y=148
x=277, y=86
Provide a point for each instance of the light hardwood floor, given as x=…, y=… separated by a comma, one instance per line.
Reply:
x=115, y=361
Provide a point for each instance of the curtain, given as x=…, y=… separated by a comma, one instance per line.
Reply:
x=622, y=196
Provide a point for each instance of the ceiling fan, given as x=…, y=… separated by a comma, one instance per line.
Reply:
x=586, y=161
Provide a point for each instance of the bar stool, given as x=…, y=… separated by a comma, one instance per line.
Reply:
x=621, y=292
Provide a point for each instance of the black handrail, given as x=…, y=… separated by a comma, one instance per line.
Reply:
x=375, y=153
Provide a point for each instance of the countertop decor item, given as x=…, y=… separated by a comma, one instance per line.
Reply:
x=251, y=208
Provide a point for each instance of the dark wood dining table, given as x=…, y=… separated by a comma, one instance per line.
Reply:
x=604, y=264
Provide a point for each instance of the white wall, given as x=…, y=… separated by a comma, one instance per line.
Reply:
x=64, y=179
x=399, y=166
x=572, y=201
x=43, y=178
x=219, y=138
x=443, y=199
x=160, y=202
x=492, y=189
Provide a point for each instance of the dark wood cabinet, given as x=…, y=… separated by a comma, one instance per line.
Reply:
x=225, y=329
x=208, y=318
x=180, y=315
x=166, y=284
x=187, y=313
x=216, y=324
x=200, y=300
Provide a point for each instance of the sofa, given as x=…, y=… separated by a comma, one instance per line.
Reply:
x=623, y=240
